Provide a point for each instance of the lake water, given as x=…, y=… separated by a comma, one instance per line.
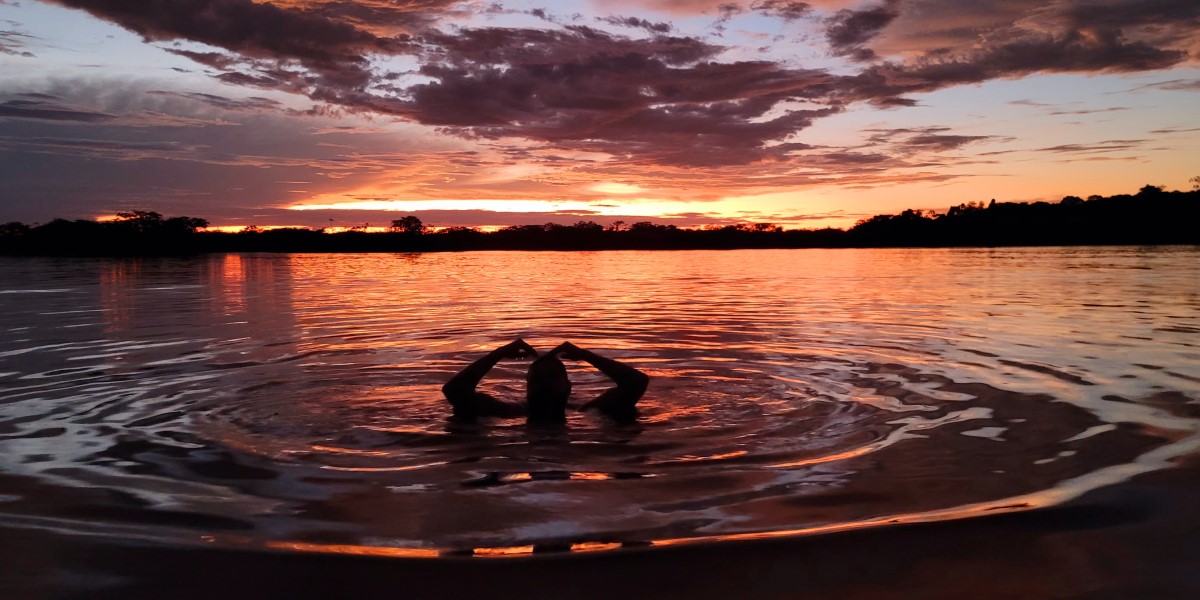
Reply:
x=291, y=402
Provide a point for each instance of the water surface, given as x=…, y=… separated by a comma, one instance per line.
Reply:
x=292, y=401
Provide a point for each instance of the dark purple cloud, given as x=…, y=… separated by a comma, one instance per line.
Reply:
x=224, y=103
x=216, y=60
x=784, y=9
x=657, y=97
x=943, y=142
x=259, y=30
x=651, y=26
x=97, y=148
x=582, y=89
x=923, y=139
x=331, y=49
x=848, y=31
x=46, y=107
x=1173, y=19
x=1006, y=58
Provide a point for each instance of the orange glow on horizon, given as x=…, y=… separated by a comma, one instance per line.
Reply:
x=241, y=228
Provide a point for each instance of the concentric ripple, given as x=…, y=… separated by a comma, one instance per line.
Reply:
x=292, y=402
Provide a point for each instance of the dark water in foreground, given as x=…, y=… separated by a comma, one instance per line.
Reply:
x=291, y=402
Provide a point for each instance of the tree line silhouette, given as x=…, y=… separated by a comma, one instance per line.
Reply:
x=1152, y=216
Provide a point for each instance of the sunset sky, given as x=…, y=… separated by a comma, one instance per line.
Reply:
x=692, y=112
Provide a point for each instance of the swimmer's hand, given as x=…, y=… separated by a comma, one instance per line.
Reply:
x=517, y=348
x=568, y=351
x=618, y=402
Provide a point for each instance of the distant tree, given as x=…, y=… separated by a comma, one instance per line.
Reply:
x=183, y=225
x=13, y=229
x=251, y=229
x=1195, y=181
x=1071, y=201
x=616, y=225
x=148, y=222
x=965, y=209
x=141, y=221
x=410, y=225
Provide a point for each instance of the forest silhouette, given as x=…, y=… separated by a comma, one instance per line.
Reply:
x=1151, y=216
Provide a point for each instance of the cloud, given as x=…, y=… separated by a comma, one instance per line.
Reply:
x=325, y=41
x=1174, y=85
x=653, y=99
x=97, y=148
x=1032, y=103
x=1011, y=57
x=132, y=144
x=252, y=103
x=652, y=27
x=103, y=104
x=932, y=44
x=260, y=30
x=848, y=31
x=1094, y=148
x=1065, y=109
x=784, y=9
x=649, y=96
x=1088, y=111
x=932, y=139
x=47, y=108
x=217, y=60
x=941, y=142
x=1171, y=130
x=12, y=43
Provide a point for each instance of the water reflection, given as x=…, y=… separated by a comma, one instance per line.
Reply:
x=292, y=402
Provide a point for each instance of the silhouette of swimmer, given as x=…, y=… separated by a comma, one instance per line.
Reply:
x=547, y=386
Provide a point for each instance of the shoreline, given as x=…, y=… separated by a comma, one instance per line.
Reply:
x=282, y=251
x=1133, y=539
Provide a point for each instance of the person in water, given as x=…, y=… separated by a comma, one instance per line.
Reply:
x=547, y=386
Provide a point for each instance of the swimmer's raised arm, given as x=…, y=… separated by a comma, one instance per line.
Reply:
x=469, y=403
x=619, y=402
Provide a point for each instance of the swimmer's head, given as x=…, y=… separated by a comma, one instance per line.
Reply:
x=547, y=388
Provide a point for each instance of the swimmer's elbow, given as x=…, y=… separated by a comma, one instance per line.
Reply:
x=455, y=392
x=637, y=384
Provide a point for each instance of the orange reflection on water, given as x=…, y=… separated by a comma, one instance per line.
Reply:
x=1020, y=504
x=952, y=514
x=595, y=546
x=356, y=550
x=334, y=450
x=116, y=278
x=828, y=457
x=501, y=552
x=228, y=284
x=577, y=476
x=694, y=458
